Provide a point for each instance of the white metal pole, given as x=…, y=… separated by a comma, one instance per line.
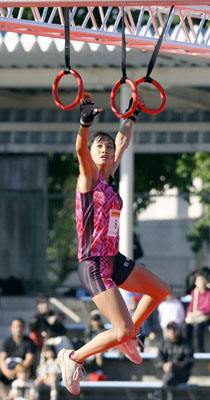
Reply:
x=126, y=188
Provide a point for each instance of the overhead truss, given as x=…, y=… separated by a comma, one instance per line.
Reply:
x=105, y=3
x=188, y=30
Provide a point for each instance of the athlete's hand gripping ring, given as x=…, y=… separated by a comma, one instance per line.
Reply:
x=134, y=96
x=79, y=93
x=162, y=95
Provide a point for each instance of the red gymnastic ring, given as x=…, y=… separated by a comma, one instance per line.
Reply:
x=162, y=95
x=134, y=96
x=79, y=93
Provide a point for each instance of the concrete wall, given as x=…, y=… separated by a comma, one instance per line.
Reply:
x=166, y=249
x=23, y=216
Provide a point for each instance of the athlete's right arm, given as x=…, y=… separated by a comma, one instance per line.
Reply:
x=88, y=169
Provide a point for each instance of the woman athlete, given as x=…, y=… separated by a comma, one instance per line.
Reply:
x=102, y=269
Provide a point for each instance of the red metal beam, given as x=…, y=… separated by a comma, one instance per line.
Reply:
x=82, y=3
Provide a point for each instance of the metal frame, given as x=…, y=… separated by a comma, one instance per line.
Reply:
x=105, y=3
x=190, y=35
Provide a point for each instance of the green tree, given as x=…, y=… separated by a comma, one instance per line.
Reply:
x=155, y=171
x=190, y=167
x=62, y=238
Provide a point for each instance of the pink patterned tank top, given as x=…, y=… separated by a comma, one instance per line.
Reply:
x=97, y=218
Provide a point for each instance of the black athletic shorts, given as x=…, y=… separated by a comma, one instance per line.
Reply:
x=98, y=274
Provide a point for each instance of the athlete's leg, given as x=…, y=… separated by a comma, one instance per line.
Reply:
x=141, y=280
x=113, y=307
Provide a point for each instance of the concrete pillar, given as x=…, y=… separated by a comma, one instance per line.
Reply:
x=126, y=188
x=23, y=216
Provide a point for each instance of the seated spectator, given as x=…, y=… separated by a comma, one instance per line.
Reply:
x=190, y=279
x=175, y=358
x=48, y=372
x=198, y=313
x=95, y=326
x=22, y=387
x=46, y=326
x=171, y=307
x=16, y=349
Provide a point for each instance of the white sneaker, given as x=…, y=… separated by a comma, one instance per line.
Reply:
x=129, y=348
x=70, y=371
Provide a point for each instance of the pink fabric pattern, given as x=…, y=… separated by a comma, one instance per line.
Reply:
x=92, y=218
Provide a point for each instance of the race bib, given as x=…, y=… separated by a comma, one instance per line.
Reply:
x=114, y=219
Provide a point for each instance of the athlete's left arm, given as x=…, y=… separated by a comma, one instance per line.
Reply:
x=122, y=142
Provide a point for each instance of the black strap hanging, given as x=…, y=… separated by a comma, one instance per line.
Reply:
x=124, y=77
x=156, y=50
x=67, y=40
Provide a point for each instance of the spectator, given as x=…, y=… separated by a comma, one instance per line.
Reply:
x=175, y=358
x=198, y=313
x=16, y=349
x=22, y=387
x=171, y=307
x=48, y=372
x=95, y=326
x=46, y=326
x=190, y=279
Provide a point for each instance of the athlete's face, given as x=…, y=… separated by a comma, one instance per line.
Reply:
x=102, y=151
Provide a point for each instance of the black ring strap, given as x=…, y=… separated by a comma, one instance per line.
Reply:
x=156, y=50
x=67, y=40
x=124, y=75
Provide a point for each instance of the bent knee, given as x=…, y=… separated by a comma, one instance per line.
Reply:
x=125, y=333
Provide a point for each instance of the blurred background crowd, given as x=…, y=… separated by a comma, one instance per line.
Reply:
x=173, y=333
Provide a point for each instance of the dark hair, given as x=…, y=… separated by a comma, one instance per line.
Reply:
x=21, y=320
x=173, y=325
x=202, y=274
x=50, y=347
x=95, y=317
x=42, y=298
x=100, y=135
